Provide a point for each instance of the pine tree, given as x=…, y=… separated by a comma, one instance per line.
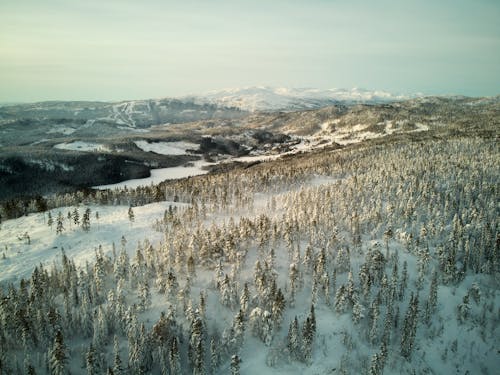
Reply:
x=244, y=299
x=341, y=301
x=131, y=215
x=144, y=296
x=50, y=220
x=376, y=365
x=76, y=216
x=294, y=339
x=307, y=340
x=238, y=331
x=235, y=365
x=91, y=361
x=357, y=312
x=86, y=220
x=431, y=304
x=174, y=357
x=60, y=226
x=463, y=309
x=197, y=337
x=58, y=355
x=374, y=315
x=404, y=280
x=214, y=355
x=117, y=361
x=409, y=328
x=278, y=308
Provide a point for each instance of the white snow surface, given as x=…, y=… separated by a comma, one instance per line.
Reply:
x=62, y=130
x=45, y=245
x=161, y=174
x=166, y=148
x=82, y=146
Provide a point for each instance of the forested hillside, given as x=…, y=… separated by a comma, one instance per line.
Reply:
x=378, y=258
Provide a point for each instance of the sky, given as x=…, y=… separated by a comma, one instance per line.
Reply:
x=129, y=49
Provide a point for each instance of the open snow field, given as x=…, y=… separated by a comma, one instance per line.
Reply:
x=167, y=148
x=45, y=245
x=82, y=146
x=161, y=174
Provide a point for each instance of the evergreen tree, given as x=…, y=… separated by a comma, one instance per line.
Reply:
x=144, y=296
x=409, y=328
x=86, y=220
x=131, y=215
x=117, y=361
x=244, y=299
x=294, y=339
x=174, y=357
x=357, y=312
x=91, y=361
x=214, y=355
x=58, y=355
x=60, y=226
x=278, y=308
x=431, y=304
x=50, y=220
x=235, y=365
x=196, y=343
x=76, y=216
x=308, y=332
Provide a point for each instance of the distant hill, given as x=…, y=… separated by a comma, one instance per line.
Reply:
x=274, y=99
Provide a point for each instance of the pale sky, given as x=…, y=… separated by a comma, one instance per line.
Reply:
x=131, y=49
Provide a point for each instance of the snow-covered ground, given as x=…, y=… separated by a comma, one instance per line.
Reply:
x=162, y=174
x=66, y=130
x=167, y=148
x=45, y=245
x=82, y=146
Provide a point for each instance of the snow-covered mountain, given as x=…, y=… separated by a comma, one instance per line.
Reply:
x=263, y=98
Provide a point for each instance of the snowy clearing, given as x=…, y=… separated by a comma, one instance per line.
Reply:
x=45, y=245
x=166, y=148
x=161, y=174
x=82, y=146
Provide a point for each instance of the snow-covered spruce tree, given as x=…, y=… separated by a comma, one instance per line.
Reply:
x=86, y=220
x=294, y=280
x=463, y=309
x=409, y=328
x=235, y=365
x=58, y=355
x=278, y=309
x=144, y=296
x=308, y=332
x=341, y=299
x=294, y=340
x=76, y=216
x=431, y=303
x=261, y=326
x=117, y=361
x=91, y=360
x=404, y=281
x=374, y=318
x=60, y=225
x=245, y=299
x=197, y=344
x=174, y=357
x=357, y=312
x=131, y=215
x=50, y=220
x=214, y=355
